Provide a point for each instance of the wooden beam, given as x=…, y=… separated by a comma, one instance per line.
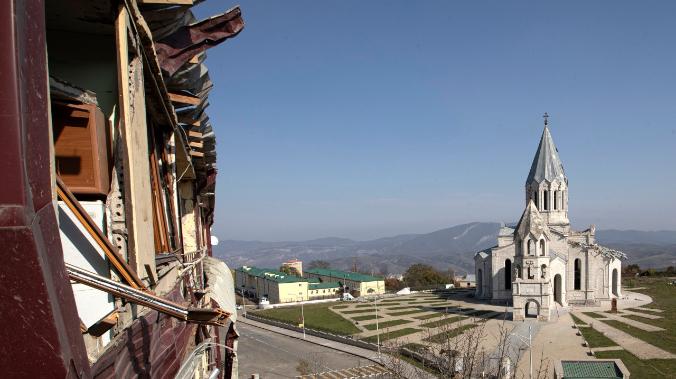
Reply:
x=198, y=154
x=196, y=144
x=193, y=134
x=134, y=137
x=184, y=99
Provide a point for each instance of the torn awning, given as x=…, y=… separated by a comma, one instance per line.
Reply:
x=220, y=285
x=189, y=40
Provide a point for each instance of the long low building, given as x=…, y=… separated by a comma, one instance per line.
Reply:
x=279, y=287
x=355, y=283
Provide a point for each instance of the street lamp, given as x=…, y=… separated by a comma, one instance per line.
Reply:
x=243, y=301
x=302, y=313
x=530, y=348
x=375, y=304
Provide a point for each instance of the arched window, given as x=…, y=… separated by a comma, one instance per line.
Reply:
x=508, y=274
x=578, y=274
x=542, y=247
x=530, y=243
x=543, y=271
x=545, y=201
x=518, y=271
x=556, y=199
x=535, y=199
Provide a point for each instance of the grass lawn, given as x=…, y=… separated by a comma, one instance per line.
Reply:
x=647, y=369
x=366, y=317
x=444, y=321
x=391, y=301
x=317, y=316
x=429, y=316
x=664, y=340
x=384, y=336
x=479, y=313
x=445, y=336
x=340, y=306
x=664, y=297
x=577, y=320
x=386, y=324
x=594, y=314
x=363, y=305
x=406, y=312
x=595, y=338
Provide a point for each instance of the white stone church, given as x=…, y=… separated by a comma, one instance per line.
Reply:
x=542, y=261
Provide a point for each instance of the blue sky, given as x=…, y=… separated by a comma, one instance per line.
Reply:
x=367, y=119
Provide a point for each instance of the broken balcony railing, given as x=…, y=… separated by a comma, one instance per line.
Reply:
x=209, y=316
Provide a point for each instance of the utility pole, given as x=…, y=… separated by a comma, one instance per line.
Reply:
x=375, y=303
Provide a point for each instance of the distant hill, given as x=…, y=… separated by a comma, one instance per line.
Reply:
x=452, y=248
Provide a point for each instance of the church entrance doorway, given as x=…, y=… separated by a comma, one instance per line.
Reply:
x=557, y=288
x=479, y=281
x=615, y=291
x=532, y=309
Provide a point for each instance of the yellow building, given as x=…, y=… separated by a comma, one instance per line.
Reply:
x=279, y=287
x=355, y=283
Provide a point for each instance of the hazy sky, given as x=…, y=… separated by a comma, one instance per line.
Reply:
x=364, y=119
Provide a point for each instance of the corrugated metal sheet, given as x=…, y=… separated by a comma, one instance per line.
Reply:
x=590, y=369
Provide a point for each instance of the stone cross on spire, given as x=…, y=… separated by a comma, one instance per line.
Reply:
x=546, y=117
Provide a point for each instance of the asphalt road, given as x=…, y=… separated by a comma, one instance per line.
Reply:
x=273, y=355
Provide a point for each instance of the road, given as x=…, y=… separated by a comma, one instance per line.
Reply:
x=273, y=355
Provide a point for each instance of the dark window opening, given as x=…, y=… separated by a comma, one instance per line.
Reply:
x=542, y=247
x=578, y=274
x=508, y=274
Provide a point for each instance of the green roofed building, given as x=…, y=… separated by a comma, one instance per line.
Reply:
x=592, y=368
x=355, y=283
x=279, y=287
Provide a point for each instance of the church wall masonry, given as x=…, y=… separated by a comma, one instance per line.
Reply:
x=541, y=261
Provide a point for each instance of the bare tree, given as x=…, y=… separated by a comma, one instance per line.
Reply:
x=455, y=349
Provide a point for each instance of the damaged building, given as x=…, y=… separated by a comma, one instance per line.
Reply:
x=109, y=165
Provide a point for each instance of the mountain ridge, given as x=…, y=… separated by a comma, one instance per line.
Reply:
x=447, y=248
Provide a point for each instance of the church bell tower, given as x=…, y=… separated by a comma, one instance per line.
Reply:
x=547, y=184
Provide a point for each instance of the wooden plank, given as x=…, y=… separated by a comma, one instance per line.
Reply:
x=134, y=137
x=193, y=134
x=196, y=144
x=116, y=259
x=184, y=99
x=198, y=154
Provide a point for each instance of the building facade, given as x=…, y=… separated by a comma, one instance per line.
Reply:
x=278, y=287
x=354, y=283
x=542, y=261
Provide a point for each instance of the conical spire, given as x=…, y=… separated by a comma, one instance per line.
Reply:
x=531, y=222
x=546, y=164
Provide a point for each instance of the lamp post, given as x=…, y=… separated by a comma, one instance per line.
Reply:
x=530, y=348
x=375, y=304
x=302, y=313
x=243, y=301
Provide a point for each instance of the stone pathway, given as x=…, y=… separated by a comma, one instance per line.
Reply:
x=651, y=309
x=607, y=348
x=634, y=345
x=634, y=323
x=641, y=314
x=553, y=341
